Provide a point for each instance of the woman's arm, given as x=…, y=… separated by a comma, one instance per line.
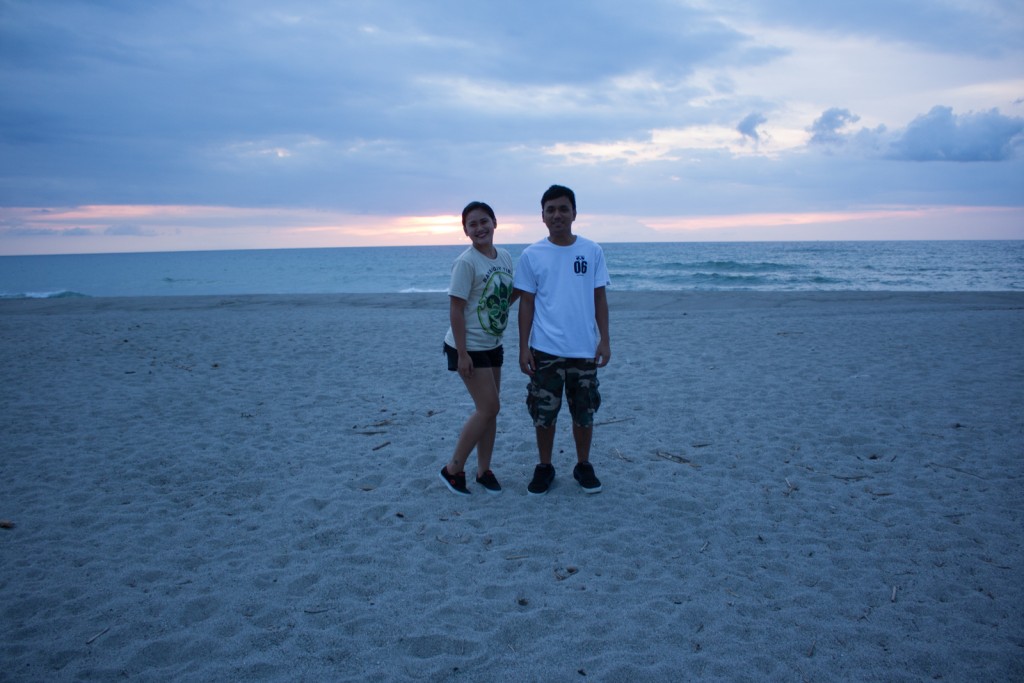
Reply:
x=457, y=316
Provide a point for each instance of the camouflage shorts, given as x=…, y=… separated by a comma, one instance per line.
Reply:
x=576, y=376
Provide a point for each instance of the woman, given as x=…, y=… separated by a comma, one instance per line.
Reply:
x=480, y=294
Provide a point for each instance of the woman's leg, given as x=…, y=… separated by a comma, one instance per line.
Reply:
x=485, y=446
x=481, y=426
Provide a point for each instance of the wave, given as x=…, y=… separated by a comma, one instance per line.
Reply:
x=728, y=281
x=731, y=266
x=60, y=294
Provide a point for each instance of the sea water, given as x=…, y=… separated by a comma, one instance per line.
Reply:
x=673, y=266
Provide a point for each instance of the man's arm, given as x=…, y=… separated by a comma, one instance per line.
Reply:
x=526, y=302
x=604, y=346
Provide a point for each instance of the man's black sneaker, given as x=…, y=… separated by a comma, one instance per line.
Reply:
x=489, y=482
x=584, y=474
x=543, y=475
x=456, y=483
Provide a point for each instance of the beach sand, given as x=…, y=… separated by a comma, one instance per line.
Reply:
x=797, y=486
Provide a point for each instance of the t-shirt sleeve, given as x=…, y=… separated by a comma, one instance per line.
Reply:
x=601, y=277
x=462, y=279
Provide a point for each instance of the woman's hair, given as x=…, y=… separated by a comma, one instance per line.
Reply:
x=473, y=206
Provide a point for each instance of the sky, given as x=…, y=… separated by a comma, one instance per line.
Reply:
x=174, y=125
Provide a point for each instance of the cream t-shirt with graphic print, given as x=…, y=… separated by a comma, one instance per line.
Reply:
x=486, y=286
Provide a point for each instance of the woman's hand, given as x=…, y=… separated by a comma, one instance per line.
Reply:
x=465, y=365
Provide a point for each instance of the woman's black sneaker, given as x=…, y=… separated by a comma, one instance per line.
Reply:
x=456, y=483
x=489, y=482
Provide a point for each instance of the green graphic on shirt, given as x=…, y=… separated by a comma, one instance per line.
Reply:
x=492, y=310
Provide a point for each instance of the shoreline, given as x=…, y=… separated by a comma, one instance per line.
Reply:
x=699, y=298
x=798, y=485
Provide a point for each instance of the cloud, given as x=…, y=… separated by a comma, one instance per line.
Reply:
x=979, y=27
x=72, y=231
x=940, y=135
x=827, y=128
x=30, y=232
x=390, y=108
x=748, y=126
x=124, y=230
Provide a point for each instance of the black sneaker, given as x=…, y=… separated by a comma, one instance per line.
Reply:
x=543, y=475
x=456, y=483
x=584, y=474
x=489, y=482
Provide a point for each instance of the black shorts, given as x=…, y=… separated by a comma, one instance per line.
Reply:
x=492, y=358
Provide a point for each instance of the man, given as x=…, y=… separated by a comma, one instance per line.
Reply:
x=563, y=334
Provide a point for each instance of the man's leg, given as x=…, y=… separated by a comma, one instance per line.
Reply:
x=582, y=436
x=545, y=443
x=544, y=400
x=581, y=390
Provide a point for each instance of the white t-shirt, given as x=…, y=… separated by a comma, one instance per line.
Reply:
x=486, y=286
x=563, y=280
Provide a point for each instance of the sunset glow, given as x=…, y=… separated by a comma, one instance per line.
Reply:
x=100, y=229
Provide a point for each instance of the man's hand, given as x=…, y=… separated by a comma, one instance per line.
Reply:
x=603, y=353
x=526, y=362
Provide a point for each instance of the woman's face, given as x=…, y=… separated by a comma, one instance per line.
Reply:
x=479, y=227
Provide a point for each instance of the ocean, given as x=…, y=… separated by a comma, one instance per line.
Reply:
x=673, y=266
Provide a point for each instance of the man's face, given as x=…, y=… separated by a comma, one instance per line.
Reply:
x=558, y=215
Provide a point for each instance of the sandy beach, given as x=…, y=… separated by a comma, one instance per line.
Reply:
x=797, y=486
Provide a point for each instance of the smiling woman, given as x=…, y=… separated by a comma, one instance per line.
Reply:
x=479, y=297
